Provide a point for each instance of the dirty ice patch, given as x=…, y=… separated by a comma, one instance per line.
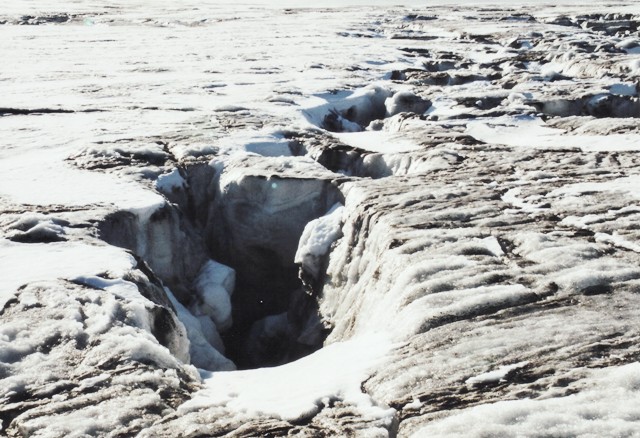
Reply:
x=26, y=263
x=36, y=227
x=43, y=178
x=528, y=132
x=608, y=406
x=300, y=389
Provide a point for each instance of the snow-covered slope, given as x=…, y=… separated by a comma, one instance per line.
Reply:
x=346, y=219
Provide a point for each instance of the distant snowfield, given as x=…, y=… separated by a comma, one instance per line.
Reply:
x=443, y=195
x=163, y=4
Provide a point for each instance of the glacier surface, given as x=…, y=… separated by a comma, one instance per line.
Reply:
x=357, y=218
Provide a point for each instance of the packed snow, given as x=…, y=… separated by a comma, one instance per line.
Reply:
x=317, y=237
x=290, y=392
x=56, y=261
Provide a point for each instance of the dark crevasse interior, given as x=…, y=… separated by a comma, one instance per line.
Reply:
x=275, y=314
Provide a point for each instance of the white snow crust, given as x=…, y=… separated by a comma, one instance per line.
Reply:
x=170, y=181
x=24, y=263
x=300, y=389
x=531, y=133
x=214, y=285
x=317, y=238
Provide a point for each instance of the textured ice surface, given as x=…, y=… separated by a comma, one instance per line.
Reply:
x=595, y=411
x=479, y=278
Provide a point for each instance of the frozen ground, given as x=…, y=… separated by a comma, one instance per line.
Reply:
x=352, y=219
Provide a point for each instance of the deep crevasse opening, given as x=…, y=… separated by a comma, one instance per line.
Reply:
x=229, y=251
